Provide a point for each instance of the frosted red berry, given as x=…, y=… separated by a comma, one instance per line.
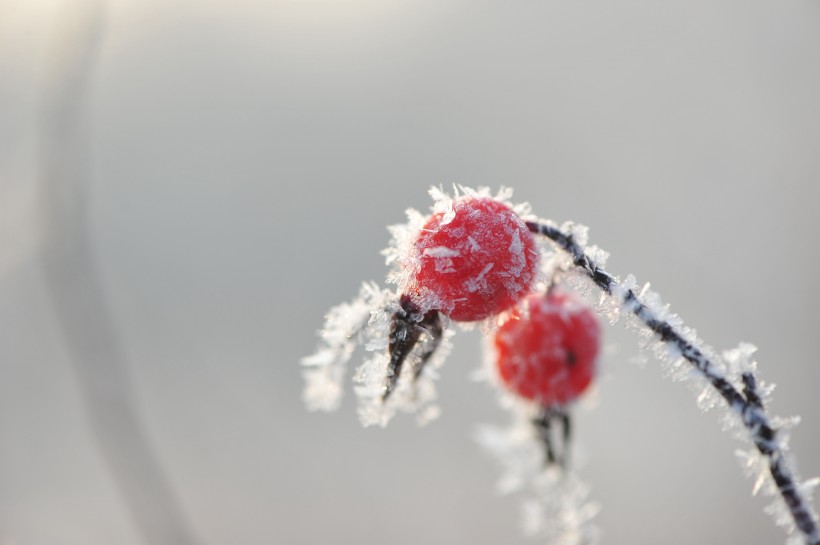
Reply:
x=547, y=353
x=472, y=262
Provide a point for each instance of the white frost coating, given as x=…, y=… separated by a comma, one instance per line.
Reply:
x=479, y=283
x=442, y=256
x=443, y=203
x=405, y=261
x=365, y=322
x=417, y=397
x=518, y=262
x=739, y=360
x=557, y=506
x=344, y=327
x=399, y=254
x=738, y=418
x=441, y=251
x=514, y=277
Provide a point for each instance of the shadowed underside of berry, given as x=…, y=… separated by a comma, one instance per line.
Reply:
x=548, y=353
x=473, y=262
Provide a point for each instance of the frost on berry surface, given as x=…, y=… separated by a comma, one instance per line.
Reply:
x=469, y=259
x=472, y=258
x=547, y=349
x=556, y=504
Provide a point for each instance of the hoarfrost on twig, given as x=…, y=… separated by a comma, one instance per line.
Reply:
x=365, y=321
x=731, y=376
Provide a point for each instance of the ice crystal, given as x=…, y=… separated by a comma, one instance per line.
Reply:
x=347, y=325
x=413, y=396
x=557, y=507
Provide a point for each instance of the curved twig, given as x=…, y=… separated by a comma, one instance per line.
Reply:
x=747, y=405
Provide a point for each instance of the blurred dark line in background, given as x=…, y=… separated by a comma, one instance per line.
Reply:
x=74, y=282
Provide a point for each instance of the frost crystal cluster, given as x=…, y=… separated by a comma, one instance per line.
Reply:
x=473, y=260
x=365, y=322
x=557, y=508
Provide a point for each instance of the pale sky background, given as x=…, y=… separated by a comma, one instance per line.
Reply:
x=246, y=157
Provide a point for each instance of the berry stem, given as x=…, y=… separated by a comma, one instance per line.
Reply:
x=405, y=331
x=543, y=424
x=747, y=405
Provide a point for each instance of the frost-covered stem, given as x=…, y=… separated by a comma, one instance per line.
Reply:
x=748, y=404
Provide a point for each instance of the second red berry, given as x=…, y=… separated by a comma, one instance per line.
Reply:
x=548, y=352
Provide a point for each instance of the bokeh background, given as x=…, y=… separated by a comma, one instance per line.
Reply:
x=241, y=161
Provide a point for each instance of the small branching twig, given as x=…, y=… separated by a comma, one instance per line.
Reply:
x=747, y=405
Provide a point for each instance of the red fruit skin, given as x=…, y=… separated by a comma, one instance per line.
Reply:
x=477, y=264
x=549, y=354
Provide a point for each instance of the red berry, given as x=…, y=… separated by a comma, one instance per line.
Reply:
x=473, y=264
x=548, y=353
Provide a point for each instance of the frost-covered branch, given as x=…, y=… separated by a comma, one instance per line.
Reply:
x=473, y=260
x=744, y=401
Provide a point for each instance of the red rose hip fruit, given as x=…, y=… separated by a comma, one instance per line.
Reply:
x=472, y=262
x=548, y=353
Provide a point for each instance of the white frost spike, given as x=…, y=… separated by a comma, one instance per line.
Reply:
x=809, y=486
x=442, y=202
x=754, y=465
x=344, y=328
x=762, y=477
x=708, y=399
x=479, y=282
x=441, y=252
x=739, y=362
x=401, y=240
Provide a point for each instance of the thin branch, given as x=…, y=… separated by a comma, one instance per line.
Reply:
x=747, y=405
x=75, y=285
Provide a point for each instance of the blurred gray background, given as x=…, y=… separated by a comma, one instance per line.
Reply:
x=244, y=159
